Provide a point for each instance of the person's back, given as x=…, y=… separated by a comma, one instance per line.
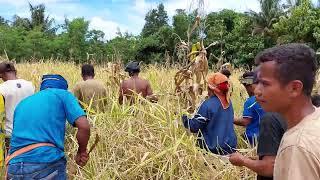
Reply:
x=28, y=127
x=40, y=120
x=13, y=90
x=92, y=92
x=135, y=85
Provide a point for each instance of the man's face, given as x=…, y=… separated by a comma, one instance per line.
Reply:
x=271, y=95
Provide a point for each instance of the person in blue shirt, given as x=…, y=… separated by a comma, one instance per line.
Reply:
x=37, y=143
x=214, y=120
x=252, y=111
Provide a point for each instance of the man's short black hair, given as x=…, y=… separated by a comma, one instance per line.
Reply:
x=7, y=67
x=87, y=70
x=294, y=61
x=316, y=100
x=226, y=72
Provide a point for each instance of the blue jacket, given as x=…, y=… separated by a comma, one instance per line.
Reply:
x=215, y=125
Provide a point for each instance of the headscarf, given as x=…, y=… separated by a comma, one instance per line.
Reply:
x=218, y=83
x=53, y=81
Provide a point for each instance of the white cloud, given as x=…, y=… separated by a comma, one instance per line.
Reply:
x=212, y=5
x=108, y=27
x=141, y=7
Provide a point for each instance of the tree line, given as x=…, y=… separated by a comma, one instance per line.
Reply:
x=240, y=35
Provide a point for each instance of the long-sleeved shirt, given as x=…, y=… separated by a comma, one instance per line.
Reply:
x=215, y=125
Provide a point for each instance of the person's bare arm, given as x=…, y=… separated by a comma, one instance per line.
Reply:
x=149, y=89
x=121, y=94
x=150, y=96
x=83, y=136
x=242, y=121
x=262, y=167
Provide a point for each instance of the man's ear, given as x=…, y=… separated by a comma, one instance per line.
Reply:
x=295, y=88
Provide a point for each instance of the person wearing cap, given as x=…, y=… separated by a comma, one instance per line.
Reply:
x=214, y=119
x=135, y=85
x=252, y=111
x=90, y=92
x=13, y=90
x=37, y=143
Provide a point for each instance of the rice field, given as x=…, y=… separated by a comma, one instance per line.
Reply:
x=143, y=141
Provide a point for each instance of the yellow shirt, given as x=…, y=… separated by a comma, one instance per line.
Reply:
x=298, y=156
x=2, y=133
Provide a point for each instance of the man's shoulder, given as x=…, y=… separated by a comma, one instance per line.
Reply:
x=23, y=81
x=306, y=136
x=251, y=101
x=272, y=119
x=212, y=101
x=97, y=83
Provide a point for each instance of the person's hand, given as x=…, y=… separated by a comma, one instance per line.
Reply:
x=237, y=159
x=82, y=158
x=184, y=119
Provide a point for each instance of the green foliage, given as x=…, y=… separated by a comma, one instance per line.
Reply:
x=155, y=19
x=270, y=13
x=302, y=25
x=233, y=31
x=122, y=48
x=76, y=33
x=239, y=36
x=181, y=23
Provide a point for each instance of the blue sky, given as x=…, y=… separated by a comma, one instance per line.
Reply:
x=108, y=15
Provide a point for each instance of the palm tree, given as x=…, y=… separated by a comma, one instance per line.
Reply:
x=263, y=21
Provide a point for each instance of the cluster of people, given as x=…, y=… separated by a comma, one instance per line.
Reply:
x=280, y=116
x=35, y=123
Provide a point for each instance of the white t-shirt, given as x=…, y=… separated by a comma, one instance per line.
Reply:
x=13, y=92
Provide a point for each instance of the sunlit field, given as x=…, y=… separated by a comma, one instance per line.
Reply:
x=146, y=140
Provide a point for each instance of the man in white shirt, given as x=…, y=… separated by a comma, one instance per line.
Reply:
x=13, y=90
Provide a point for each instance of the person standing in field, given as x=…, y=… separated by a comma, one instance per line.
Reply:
x=135, y=85
x=252, y=111
x=37, y=143
x=272, y=128
x=13, y=90
x=214, y=119
x=285, y=81
x=90, y=91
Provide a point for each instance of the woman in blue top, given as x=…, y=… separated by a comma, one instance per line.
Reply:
x=214, y=120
